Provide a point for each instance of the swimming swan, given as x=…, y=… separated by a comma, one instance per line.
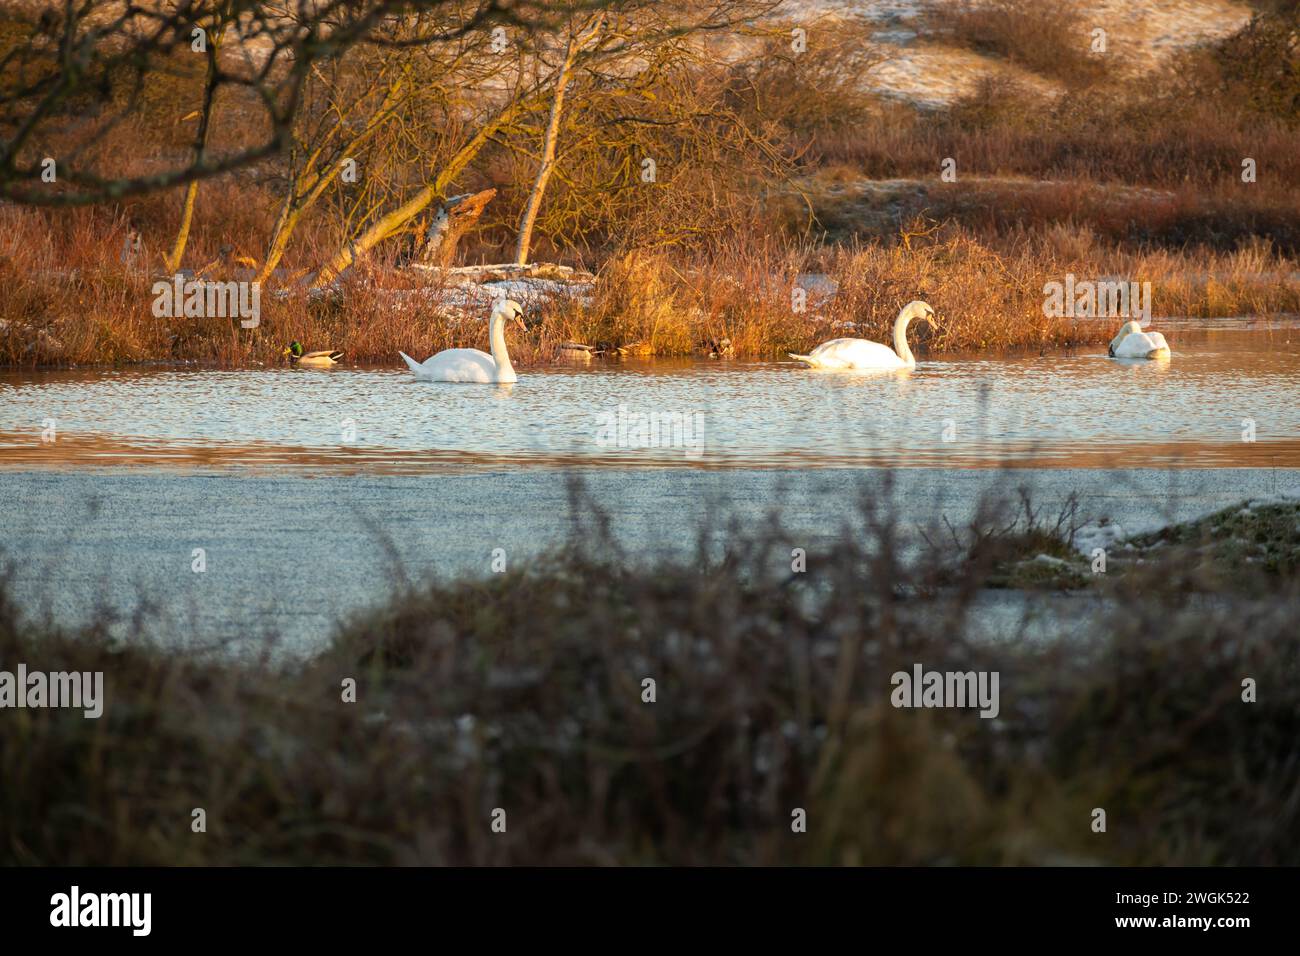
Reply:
x=861, y=354
x=1132, y=342
x=471, y=365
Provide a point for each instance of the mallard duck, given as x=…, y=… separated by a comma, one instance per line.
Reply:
x=576, y=351
x=641, y=349
x=718, y=348
x=322, y=359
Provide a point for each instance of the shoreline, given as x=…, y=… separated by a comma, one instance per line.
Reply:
x=533, y=357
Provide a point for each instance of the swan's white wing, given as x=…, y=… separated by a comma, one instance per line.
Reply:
x=856, y=353
x=1133, y=345
x=1140, y=345
x=458, y=365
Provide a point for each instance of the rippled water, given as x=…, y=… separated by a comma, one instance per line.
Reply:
x=1050, y=410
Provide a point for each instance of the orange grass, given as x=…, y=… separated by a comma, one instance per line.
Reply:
x=70, y=299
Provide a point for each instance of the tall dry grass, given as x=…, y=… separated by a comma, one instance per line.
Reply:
x=988, y=294
x=1131, y=136
x=70, y=299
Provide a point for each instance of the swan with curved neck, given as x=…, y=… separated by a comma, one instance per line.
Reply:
x=1132, y=342
x=472, y=365
x=862, y=354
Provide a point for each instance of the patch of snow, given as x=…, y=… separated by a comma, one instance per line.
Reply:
x=467, y=298
x=1098, y=534
x=1105, y=534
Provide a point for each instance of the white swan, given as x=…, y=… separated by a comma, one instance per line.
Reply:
x=471, y=365
x=861, y=354
x=1132, y=342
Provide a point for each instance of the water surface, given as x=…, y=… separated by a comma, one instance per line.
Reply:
x=1226, y=384
x=148, y=465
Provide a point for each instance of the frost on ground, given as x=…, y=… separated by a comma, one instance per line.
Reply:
x=1252, y=518
x=1149, y=30
x=1250, y=547
x=932, y=76
x=1104, y=534
x=1140, y=35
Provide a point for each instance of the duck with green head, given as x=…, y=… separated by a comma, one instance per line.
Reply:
x=322, y=359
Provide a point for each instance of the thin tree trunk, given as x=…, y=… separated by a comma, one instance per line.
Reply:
x=172, y=262
x=529, y=219
x=398, y=218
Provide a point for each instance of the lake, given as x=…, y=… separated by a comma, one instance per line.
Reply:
x=302, y=521
x=1054, y=410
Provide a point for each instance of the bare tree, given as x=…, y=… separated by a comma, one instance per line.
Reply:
x=213, y=31
x=410, y=113
x=653, y=125
x=578, y=39
x=395, y=221
x=87, y=54
x=324, y=151
x=620, y=44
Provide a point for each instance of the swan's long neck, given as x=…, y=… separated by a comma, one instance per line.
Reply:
x=498, y=345
x=900, y=339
